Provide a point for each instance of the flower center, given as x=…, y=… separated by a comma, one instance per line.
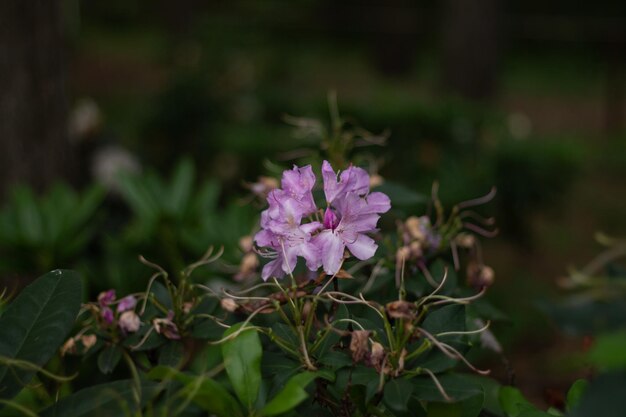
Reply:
x=331, y=221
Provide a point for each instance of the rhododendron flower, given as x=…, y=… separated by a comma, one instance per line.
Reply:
x=129, y=321
x=351, y=212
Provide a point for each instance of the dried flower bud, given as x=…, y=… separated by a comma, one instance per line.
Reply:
x=415, y=226
x=68, y=347
x=187, y=306
x=465, y=240
x=479, y=276
x=376, y=180
x=263, y=186
x=166, y=327
x=228, y=304
x=88, y=341
x=400, y=309
x=129, y=322
x=377, y=356
x=359, y=345
x=416, y=249
x=245, y=243
x=402, y=254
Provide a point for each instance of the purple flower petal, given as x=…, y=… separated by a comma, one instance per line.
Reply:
x=106, y=297
x=363, y=247
x=126, y=303
x=107, y=315
x=332, y=247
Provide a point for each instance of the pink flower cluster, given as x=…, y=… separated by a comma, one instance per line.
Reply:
x=351, y=212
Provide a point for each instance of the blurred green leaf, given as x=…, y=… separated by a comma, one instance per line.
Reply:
x=401, y=195
x=575, y=393
x=35, y=324
x=608, y=350
x=180, y=188
x=106, y=400
x=242, y=360
x=108, y=358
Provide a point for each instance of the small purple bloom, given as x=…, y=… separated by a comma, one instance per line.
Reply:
x=129, y=322
x=107, y=315
x=126, y=303
x=106, y=297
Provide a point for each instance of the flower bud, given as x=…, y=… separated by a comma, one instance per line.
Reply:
x=88, y=341
x=228, y=304
x=129, y=322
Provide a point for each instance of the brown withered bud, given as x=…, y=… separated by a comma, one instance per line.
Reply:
x=376, y=180
x=249, y=264
x=263, y=186
x=414, y=227
x=246, y=243
x=416, y=249
x=401, y=362
x=479, y=276
x=228, y=304
x=400, y=310
x=359, y=345
x=377, y=356
x=306, y=310
x=88, y=341
x=465, y=240
x=402, y=254
x=68, y=347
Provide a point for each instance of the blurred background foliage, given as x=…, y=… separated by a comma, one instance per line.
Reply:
x=192, y=100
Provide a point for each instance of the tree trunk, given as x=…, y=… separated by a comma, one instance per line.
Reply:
x=34, y=143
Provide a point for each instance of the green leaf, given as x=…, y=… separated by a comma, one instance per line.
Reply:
x=180, y=188
x=603, y=398
x=204, y=392
x=513, y=402
x=457, y=386
x=106, y=400
x=242, y=360
x=445, y=319
x=108, y=359
x=171, y=354
x=608, y=350
x=397, y=394
x=35, y=324
x=575, y=392
x=291, y=395
x=469, y=407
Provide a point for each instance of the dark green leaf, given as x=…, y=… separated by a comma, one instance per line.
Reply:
x=603, y=397
x=35, y=324
x=108, y=359
x=107, y=400
x=457, y=386
x=469, y=407
x=171, y=354
x=204, y=392
x=242, y=360
x=445, y=319
x=291, y=395
x=397, y=394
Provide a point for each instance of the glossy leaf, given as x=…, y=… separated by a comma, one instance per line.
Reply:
x=35, y=324
x=290, y=396
x=108, y=359
x=242, y=360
